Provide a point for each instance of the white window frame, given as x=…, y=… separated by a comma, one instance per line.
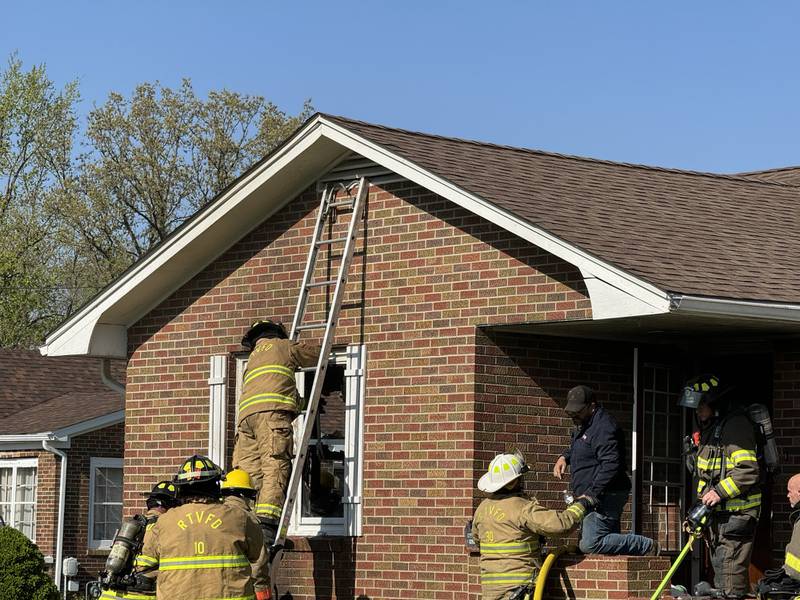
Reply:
x=96, y=462
x=22, y=463
x=353, y=358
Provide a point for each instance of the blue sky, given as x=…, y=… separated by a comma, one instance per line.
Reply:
x=700, y=85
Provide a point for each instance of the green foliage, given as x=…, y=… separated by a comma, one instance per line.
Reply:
x=160, y=155
x=22, y=569
x=70, y=223
x=37, y=126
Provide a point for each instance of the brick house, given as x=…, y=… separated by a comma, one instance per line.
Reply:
x=489, y=280
x=56, y=412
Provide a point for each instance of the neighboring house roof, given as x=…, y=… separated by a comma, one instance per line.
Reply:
x=646, y=240
x=45, y=394
x=686, y=232
x=784, y=175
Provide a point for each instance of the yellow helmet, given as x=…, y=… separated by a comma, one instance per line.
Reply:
x=237, y=478
x=237, y=483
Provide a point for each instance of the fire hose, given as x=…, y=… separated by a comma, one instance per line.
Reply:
x=697, y=521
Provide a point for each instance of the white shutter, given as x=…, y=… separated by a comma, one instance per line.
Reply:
x=218, y=409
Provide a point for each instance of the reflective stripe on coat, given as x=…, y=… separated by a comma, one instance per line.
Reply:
x=508, y=529
x=203, y=550
x=269, y=382
x=737, y=453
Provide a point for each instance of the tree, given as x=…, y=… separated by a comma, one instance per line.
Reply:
x=70, y=223
x=22, y=570
x=37, y=126
x=154, y=159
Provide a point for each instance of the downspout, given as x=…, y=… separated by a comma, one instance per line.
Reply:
x=108, y=380
x=62, y=496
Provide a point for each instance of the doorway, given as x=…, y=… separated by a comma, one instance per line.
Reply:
x=664, y=490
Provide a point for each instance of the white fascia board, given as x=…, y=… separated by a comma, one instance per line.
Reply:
x=741, y=309
x=31, y=441
x=83, y=427
x=59, y=438
x=96, y=330
x=613, y=292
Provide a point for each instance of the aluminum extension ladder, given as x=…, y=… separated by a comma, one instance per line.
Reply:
x=329, y=208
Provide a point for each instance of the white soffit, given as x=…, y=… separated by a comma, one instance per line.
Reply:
x=99, y=328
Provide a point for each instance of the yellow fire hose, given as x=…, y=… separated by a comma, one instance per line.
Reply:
x=686, y=549
x=548, y=562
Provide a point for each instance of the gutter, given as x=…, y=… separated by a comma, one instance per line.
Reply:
x=62, y=496
x=741, y=309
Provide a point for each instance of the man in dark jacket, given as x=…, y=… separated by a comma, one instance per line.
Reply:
x=596, y=458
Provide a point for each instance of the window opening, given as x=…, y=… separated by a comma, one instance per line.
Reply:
x=18, y=495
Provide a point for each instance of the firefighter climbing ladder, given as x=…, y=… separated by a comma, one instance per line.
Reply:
x=329, y=207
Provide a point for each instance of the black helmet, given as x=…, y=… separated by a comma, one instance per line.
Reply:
x=197, y=469
x=261, y=329
x=703, y=388
x=164, y=493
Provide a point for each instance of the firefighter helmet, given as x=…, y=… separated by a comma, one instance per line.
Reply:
x=703, y=388
x=163, y=489
x=197, y=469
x=164, y=493
x=237, y=483
x=263, y=328
x=503, y=469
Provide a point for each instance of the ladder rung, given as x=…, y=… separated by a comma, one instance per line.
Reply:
x=343, y=203
x=332, y=241
x=319, y=325
x=307, y=369
x=321, y=283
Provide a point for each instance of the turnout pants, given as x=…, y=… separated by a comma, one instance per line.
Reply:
x=730, y=539
x=264, y=448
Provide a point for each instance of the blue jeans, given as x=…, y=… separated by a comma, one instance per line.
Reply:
x=600, y=529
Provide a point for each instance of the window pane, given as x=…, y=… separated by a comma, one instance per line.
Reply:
x=5, y=485
x=26, y=484
x=107, y=502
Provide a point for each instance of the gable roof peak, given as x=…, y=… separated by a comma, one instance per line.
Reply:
x=745, y=178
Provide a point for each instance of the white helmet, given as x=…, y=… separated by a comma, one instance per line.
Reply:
x=503, y=469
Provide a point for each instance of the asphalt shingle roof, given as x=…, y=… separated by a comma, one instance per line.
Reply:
x=683, y=231
x=39, y=393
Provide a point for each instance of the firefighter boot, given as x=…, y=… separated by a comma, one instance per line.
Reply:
x=269, y=528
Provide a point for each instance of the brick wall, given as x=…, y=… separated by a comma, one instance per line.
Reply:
x=428, y=273
x=786, y=422
x=103, y=443
x=606, y=577
x=520, y=390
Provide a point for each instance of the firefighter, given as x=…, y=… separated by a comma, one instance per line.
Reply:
x=783, y=583
x=237, y=490
x=791, y=563
x=160, y=499
x=722, y=455
x=269, y=403
x=202, y=549
x=507, y=526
